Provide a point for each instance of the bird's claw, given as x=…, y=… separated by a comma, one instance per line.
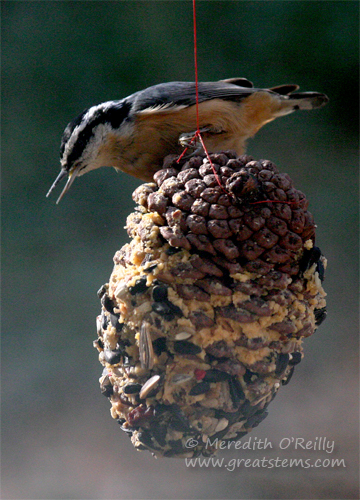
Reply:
x=192, y=141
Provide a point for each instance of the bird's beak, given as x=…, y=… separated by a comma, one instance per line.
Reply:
x=63, y=173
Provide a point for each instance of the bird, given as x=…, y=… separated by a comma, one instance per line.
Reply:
x=134, y=134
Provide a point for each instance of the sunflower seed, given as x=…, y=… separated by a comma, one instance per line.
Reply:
x=146, y=351
x=180, y=378
x=121, y=291
x=149, y=385
x=98, y=325
x=183, y=336
x=221, y=425
x=144, y=308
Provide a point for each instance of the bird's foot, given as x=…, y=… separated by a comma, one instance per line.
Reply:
x=192, y=141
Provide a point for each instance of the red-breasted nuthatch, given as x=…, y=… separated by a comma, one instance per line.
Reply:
x=134, y=134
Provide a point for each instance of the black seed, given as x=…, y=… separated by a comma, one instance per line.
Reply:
x=256, y=419
x=281, y=363
x=185, y=347
x=145, y=437
x=106, y=387
x=239, y=435
x=216, y=376
x=236, y=391
x=125, y=429
x=220, y=434
x=175, y=309
x=112, y=357
x=132, y=388
x=159, y=432
x=179, y=423
x=247, y=410
x=99, y=343
x=160, y=293
x=101, y=291
x=309, y=258
x=141, y=447
x=199, y=388
x=139, y=287
x=107, y=303
x=178, y=419
x=127, y=361
x=296, y=358
x=150, y=268
x=167, y=310
x=287, y=380
x=176, y=445
x=173, y=250
x=164, y=310
x=320, y=315
x=321, y=270
x=160, y=409
x=248, y=377
x=170, y=453
x=114, y=320
x=232, y=417
x=104, y=321
x=159, y=345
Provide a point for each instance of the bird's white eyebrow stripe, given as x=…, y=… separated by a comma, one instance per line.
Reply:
x=162, y=108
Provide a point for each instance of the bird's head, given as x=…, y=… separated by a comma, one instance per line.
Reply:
x=84, y=144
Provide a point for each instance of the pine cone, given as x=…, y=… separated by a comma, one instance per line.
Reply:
x=204, y=314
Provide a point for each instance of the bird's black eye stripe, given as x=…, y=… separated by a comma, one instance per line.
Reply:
x=69, y=130
x=114, y=115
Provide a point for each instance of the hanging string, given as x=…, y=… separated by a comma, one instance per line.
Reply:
x=196, y=71
x=198, y=133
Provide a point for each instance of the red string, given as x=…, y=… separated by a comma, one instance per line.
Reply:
x=198, y=133
x=273, y=201
x=196, y=71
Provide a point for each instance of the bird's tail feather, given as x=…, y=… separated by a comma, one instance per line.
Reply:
x=305, y=100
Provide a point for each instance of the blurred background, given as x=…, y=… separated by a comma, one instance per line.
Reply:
x=59, y=441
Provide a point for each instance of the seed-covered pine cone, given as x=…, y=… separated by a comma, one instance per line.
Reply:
x=204, y=314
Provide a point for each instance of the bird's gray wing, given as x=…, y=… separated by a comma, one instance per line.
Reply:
x=176, y=95
x=172, y=95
